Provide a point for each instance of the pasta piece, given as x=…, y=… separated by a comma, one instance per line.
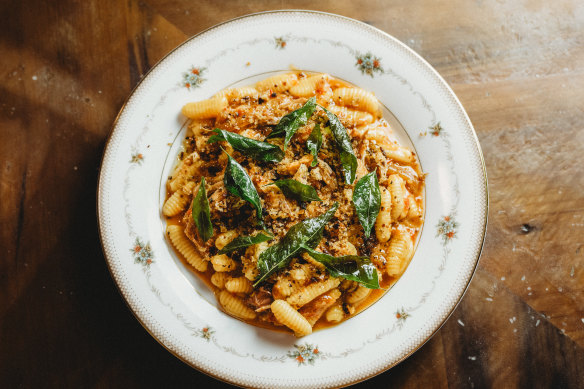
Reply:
x=358, y=295
x=398, y=253
x=250, y=260
x=278, y=83
x=308, y=293
x=205, y=109
x=357, y=98
x=222, y=263
x=383, y=221
x=399, y=153
x=224, y=238
x=237, y=93
x=219, y=278
x=414, y=211
x=235, y=306
x=313, y=261
x=185, y=173
x=284, y=287
x=307, y=86
x=178, y=201
x=351, y=117
x=335, y=314
x=290, y=317
x=239, y=285
x=397, y=189
x=314, y=310
x=185, y=247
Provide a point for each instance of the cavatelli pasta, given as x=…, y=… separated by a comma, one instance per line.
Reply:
x=278, y=83
x=185, y=247
x=350, y=117
x=224, y=238
x=185, y=172
x=307, y=86
x=239, y=285
x=237, y=93
x=205, y=109
x=335, y=314
x=222, y=263
x=398, y=252
x=178, y=201
x=383, y=221
x=306, y=294
x=398, y=192
x=399, y=153
x=235, y=306
x=290, y=317
x=285, y=286
x=357, y=98
x=219, y=278
x=358, y=295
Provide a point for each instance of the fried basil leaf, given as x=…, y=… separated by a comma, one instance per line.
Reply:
x=314, y=143
x=350, y=267
x=297, y=190
x=290, y=123
x=260, y=151
x=348, y=158
x=306, y=233
x=244, y=241
x=367, y=201
x=201, y=213
x=238, y=183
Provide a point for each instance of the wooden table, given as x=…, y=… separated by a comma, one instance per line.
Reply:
x=66, y=68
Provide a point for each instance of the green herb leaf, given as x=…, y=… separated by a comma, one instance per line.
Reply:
x=238, y=183
x=244, y=241
x=350, y=267
x=348, y=158
x=261, y=151
x=290, y=123
x=201, y=213
x=367, y=201
x=305, y=233
x=297, y=190
x=314, y=143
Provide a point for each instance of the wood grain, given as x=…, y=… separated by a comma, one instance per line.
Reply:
x=66, y=69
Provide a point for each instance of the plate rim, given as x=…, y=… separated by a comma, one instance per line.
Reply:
x=428, y=66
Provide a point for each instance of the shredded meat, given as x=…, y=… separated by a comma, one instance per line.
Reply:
x=261, y=299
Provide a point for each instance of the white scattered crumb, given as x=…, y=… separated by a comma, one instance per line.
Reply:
x=460, y=322
x=512, y=320
x=529, y=288
x=515, y=330
x=563, y=331
x=472, y=358
x=34, y=78
x=572, y=271
x=99, y=92
x=582, y=320
x=523, y=278
x=529, y=294
x=502, y=278
x=538, y=321
x=489, y=299
x=75, y=167
x=560, y=289
x=546, y=289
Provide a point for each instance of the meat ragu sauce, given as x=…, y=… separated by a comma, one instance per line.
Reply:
x=302, y=293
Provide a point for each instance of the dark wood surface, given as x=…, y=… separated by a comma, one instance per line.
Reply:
x=66, y=68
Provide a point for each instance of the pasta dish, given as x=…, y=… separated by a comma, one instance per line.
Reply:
x=293, y=201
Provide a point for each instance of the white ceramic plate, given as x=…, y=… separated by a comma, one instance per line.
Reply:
x=179, y=310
